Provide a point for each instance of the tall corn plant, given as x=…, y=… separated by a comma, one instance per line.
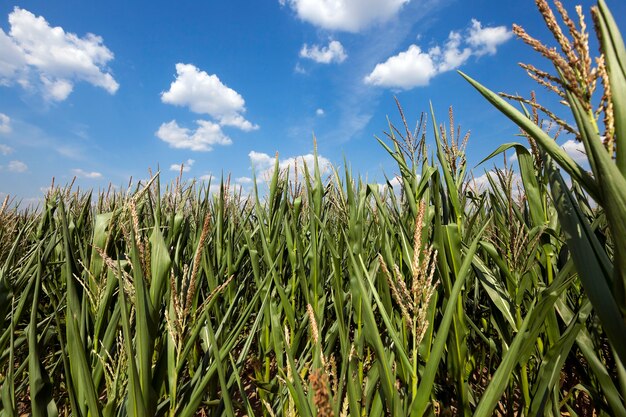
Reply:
x=606, y=184
x=600, y=266
x=320, y=295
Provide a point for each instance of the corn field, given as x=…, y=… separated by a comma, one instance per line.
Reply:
x=327, y=296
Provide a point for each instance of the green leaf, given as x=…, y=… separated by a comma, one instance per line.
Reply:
x=615, y=58
x=529, y=179
x=425, y=389
x=542, y=138
x=593, y=265
x=41, y=400
x=522, y=344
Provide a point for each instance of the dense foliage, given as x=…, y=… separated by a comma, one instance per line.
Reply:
x=327, y=296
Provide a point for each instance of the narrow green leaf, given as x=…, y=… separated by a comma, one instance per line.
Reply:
x=41, y=400
x=542, y=138
x=592, y=263
x=425, y=389
x=615, y=58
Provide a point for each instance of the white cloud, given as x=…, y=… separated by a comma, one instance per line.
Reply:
x=51, y=58
x=5, y=123
x=203, y=138
x=481, y=183
x=239, y=122
x=243, y=180
x=396, y=184
x=209, y=177
x=334, y=52
x=17, y=166
x=215, y=187
x=347, y=15
x=320, y=112
x=298, y=69
x=486, y=40
x=264, y=164
x=412, y=68
x=31, y=202
x=186, y=166
x=397, y=181
x=57, y=90
x=206, y=94
x=5, y=150
x=452, y=55
x=260, y=160
x=415, y=67
x=12, y=60
x=576, y=150
x=80, y=173
x=229, y=187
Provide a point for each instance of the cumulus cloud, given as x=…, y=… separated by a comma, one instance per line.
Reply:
x=452, y=55
x=346, y=15
x=396, y=184
x=487, y=40
x=5, y=150
x=209, y=177
x=264, y=164
x=206, y=94
x=576, y=150
x=243, y=180
x=81, y=173
x=334, y=52
x=5, y=123
x=512, y=156
x=17, y=166
x=481, y=183
x=408, y=69
x=320, y=112
x=186, y=166
x=56, y=90
x=12, y=60
x=230, y=187
x=416, y=67
x=34, y=53
x=260, y=159
x=207, y=135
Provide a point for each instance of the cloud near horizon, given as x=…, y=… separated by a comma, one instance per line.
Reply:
x=37, y=56
x=481, y=183
x=416, y=67
x=186, y=166
x=576, y=150
x=80, y=173
x=264, y=164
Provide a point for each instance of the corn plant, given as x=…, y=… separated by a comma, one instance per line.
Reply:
x=318, y=294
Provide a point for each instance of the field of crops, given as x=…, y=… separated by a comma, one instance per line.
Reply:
x=327, y=296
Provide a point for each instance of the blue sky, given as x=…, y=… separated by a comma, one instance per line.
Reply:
x=106, y=90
